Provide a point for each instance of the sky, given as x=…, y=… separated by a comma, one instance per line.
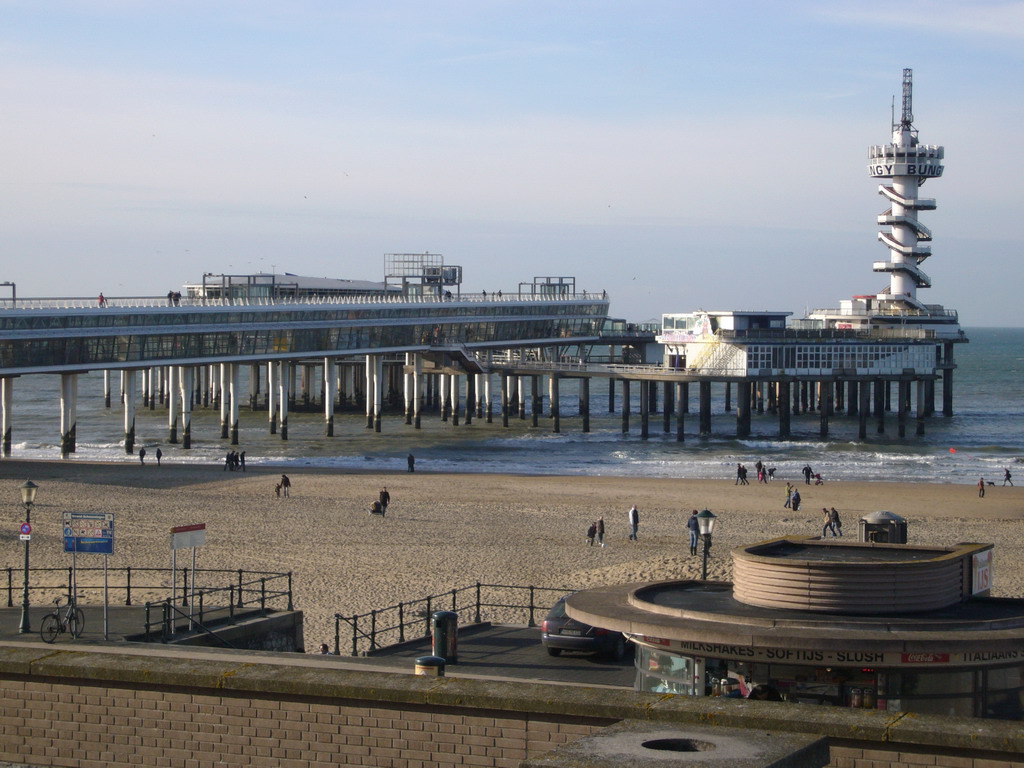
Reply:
x=679, y=155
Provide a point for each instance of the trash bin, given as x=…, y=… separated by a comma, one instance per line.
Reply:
x=883, y=528
x=430, y=666
x=444, y=631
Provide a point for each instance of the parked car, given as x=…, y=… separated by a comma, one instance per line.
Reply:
x=560, y=633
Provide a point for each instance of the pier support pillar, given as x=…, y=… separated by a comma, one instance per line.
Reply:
x=488, y=399
x=453, y=398
x=68, y=413
x=611, y=395
x=368, y=376
x=6, y=412
x=225, y=399
x=585, y=402
x=172, y=403
x=556, y=409
x=470, y=397
x=378, y=391
x=705, y=407
x=685, y=397
x=407, y=387
x=444, y=389
x=728, y=396
x=417, y=390
x=667, y=407
x=825, y=405
x=186, y=375
x=503, y=378
x=922, y=406
x=785, y=402
x=929, y=397
x=758, y=387
x=680, y=415
x=645, y=409
x=284, y=380
x=106, y=388
x=879, y=390
x=863, y=409
x=272, y=396
x=743, y=408
x=804, y=387
x=625, y=406
x=331, y=395
x=128, y=388
x=902, y=396
x=536, y=402
x=521, y=395
x=853, y=398
x=947, y=381
x=235, y=393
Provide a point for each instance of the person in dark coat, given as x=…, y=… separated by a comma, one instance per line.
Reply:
x=142, y=455
x=385, y=498
x=286, y=485
x=411, y=462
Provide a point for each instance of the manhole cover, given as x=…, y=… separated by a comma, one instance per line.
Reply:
x=678, y=745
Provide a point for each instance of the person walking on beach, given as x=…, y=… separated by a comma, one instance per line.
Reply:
x=286, y=486
x=789, y=496
x=159, y=455
x=142, y=455
x=411, y=461
x=634, y=522
x=837, y=521
x=981, y=488
x=739, y=474
x=1006, y=477
x=829, y=525
x=592, y=533
x=694, y=528
x=600, y=531
x=807, y=473
x=795, y=502
x=385, y=498
x=241, y=460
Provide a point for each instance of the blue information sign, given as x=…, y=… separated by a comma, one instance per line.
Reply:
x=90, y=532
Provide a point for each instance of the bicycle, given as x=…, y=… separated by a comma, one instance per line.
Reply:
x=54, y=624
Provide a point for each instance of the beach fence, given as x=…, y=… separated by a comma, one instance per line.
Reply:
x=502, y=603
x=172, y=604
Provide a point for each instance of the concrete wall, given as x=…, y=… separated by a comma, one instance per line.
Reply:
x=125, y=706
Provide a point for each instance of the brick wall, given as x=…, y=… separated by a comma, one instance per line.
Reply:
x=126, y=706
x=94, y=726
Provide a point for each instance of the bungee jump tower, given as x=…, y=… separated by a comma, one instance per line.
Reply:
x=909, y=164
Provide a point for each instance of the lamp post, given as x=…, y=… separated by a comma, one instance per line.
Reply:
x=706, y=525
x=28, y=497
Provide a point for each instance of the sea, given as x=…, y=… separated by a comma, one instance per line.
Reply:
x=983, y=437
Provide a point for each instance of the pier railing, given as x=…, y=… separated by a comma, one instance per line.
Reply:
x=153, y=585
x=133, y=302
x=411, y=620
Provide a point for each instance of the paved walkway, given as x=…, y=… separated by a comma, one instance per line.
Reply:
x=500, y=651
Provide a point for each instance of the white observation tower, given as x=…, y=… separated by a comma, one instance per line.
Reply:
x=908, y=164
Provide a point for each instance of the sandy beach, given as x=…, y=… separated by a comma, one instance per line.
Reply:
x=444, y=531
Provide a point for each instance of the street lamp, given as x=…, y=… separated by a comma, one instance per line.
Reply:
x=706, y=525
x=28, y=498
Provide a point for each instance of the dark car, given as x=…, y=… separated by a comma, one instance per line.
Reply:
x=561, y=633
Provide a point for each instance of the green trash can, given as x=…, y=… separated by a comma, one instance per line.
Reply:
x=444, y=632
x=430, y=666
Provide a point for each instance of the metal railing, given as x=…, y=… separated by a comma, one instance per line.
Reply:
x=209, y=604
x=133, y=302
x=411, y=620
x=249, y=587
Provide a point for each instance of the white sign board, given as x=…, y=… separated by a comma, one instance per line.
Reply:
x=187, y=536
x=981, y=572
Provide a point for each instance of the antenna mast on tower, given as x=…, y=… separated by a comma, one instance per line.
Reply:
x=908, y=98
